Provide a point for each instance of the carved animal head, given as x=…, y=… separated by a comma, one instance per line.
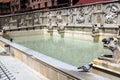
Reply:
x=110, y=43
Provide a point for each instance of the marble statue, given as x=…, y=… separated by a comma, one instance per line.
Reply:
x=111, y=44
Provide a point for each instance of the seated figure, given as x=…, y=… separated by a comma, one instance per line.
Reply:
x=111, y=44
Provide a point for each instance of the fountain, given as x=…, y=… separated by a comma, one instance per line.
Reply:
x=109, y=65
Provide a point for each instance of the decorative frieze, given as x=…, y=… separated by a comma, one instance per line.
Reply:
x=100, y=14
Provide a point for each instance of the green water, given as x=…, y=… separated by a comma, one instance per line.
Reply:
x=72, y=51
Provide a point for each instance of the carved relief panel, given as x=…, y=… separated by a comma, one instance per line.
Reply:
x=64, y=15
x=40, y=17
x=6, y=21
x=49, y=20
x=29, y=19
x=111, y=13
x=54, y=20
x=44, y=18
x=80, y=15
x=21, y=21
x=13, y=22
x=88, y=12
x=36, y=19
x=59, y=16
x=71, y=16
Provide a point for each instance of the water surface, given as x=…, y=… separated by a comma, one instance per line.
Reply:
x=72, y=51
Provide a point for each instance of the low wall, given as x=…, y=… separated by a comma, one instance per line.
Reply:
x=47, y=66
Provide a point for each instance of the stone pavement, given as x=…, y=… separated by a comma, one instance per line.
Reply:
x=19, y=70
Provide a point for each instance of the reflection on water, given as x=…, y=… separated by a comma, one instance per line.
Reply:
x=72, y=51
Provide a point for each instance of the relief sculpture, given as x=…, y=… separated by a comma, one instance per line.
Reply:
x=111, y=14
x=22, y=22
x=89, y=12
x=36, y=19
x=60, y=23
x=59, y=17
x=71, y=15
x=49, y=21
x=6, y=22
x=80, y=15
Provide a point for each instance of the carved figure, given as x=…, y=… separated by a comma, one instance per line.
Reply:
x=49, y=17
x=80, y=16
x=6, y=22
x=22, y=22
x=70, y=14
x=111, y=44
x=59, y=17
x=60, y=24
x=49, y=22
x=36, y=19
x=112, y=14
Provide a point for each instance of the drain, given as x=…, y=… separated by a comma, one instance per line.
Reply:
x=5, y=74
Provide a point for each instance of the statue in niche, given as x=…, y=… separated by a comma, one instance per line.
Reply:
x=6, y=21
x=49, y=21
x=70, y=14
x=80, y=16
x=59, y=16
x=111, y=44
x=49, y=17
x=60, y=24
x=111, y=14
x=36, y=19
x=22, y=22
